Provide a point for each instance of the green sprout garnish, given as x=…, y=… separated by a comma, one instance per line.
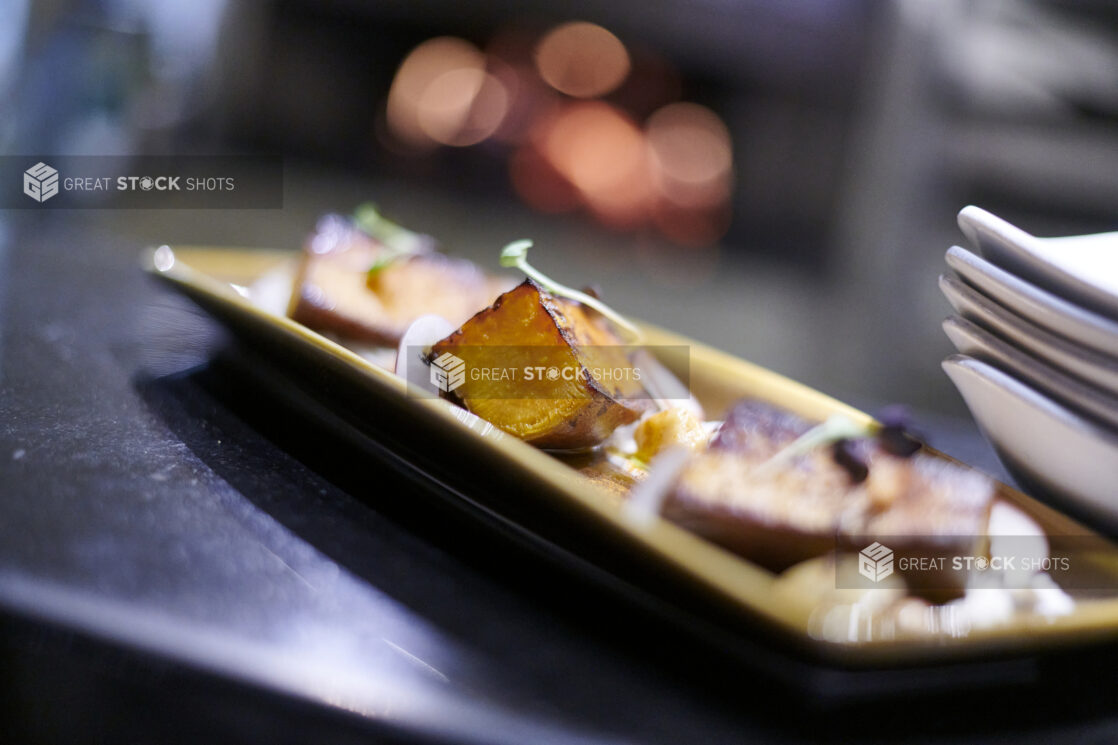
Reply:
x=369, y=220
x=836, y=428
x=515, y=255
x=398, y=241
x=380, y=264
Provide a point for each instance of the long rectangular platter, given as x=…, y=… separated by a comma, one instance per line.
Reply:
x=805, y=618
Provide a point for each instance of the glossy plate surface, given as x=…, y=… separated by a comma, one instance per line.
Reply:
x=793, y=611
x=1088, y=365
x=1034, y=304
x=1081, y=268
x=1040, y=439
x=973, y=341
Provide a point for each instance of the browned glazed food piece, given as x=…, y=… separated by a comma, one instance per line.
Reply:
x=528, y=327
x=924, y=507
x=776, y=519
x=334, y=292
x=780, y=516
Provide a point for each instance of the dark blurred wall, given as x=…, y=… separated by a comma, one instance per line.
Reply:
x=858, y=129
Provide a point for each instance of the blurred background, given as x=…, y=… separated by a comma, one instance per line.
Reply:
x=777, y=179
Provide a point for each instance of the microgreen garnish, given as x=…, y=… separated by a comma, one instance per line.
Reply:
x=380, y=264
x=835, y=428
x=370, y=221
x=838, y=427
x=398, y=241
x=891, y=433
x=515, y=255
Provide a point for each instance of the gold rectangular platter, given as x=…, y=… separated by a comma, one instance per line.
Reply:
x=751, y=597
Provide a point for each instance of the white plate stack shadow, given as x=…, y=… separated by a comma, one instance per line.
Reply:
x=1036, y=327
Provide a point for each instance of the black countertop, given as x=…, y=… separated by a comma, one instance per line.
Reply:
x=186, y=555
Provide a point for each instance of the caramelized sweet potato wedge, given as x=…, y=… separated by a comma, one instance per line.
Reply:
x=923, y=505
x=334, y=291
x=524, y=335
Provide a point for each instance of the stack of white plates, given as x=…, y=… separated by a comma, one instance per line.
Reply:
x=1037, y=334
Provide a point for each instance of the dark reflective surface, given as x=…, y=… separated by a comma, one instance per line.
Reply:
x=193, y=547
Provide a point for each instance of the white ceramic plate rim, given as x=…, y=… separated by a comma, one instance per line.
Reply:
x=1087, y=365
x=1054, y=431
x=1014, y=249
x=974, y=341
x=1038, y=305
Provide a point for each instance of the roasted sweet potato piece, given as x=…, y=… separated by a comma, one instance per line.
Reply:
x=334, y=291
x=520, y=340
x=922, y=505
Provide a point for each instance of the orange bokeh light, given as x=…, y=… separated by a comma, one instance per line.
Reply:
x=582, y=59
x=602, y=153
x=692, y=155
x=594, y=145
x=462, y=107
x=674, y=175
x=434, y=91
